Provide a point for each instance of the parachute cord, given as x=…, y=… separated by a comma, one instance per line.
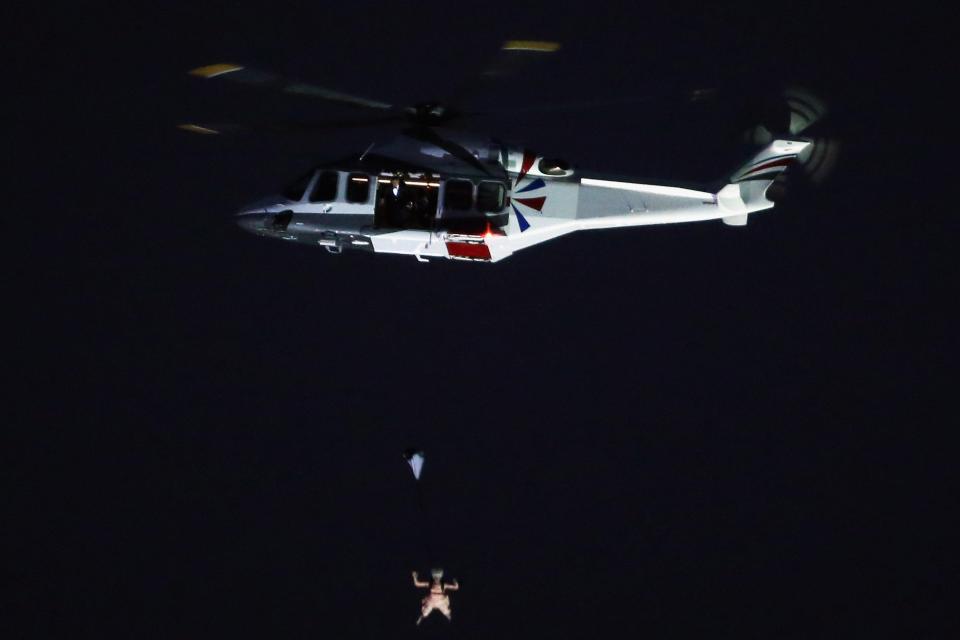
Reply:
x=428, y=531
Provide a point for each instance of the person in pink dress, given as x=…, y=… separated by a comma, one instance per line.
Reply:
x=436, y=598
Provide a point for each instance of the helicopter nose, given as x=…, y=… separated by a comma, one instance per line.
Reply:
x=251, y=222
x=254, y=216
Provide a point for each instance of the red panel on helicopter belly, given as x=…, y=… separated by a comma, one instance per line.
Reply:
x=472, y=250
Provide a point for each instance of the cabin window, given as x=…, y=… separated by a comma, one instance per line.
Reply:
x=325, y=189
x=358, y=187
x=295, y=191
x=490, y=196
x=458, y=194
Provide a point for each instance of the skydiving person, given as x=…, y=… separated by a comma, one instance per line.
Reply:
x=437, y=597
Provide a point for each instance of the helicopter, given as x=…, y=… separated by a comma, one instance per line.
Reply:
x=435, y=192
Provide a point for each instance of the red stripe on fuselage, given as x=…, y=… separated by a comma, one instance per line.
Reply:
x=473, y=250
x=780, y=162
x=528, y=158
x=533, y=203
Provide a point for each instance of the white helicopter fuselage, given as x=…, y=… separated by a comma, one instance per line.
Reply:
x=567, y=206
x=546, y=200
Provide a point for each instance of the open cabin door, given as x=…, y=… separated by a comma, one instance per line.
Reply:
x=408, y=202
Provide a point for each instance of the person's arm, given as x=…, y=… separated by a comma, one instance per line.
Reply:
x=420, y=584
x=452, y=586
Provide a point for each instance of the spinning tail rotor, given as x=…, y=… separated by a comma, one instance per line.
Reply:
x=799, y=114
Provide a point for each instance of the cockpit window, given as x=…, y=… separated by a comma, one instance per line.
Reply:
x=458, y=194
x=325, y=189
x=295, y=191
x=358, y=187
x=490, y=196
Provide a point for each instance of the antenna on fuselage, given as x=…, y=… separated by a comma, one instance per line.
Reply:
x=364, y=154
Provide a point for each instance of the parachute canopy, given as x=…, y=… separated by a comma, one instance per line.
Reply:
x=414, y=458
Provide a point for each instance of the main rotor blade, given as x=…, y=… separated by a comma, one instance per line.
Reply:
x=514, y=57
x=271, y=81
x=426, y=134
x=288, y=127
x=694, y=95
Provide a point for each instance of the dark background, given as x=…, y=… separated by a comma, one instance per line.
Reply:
x=673, y=431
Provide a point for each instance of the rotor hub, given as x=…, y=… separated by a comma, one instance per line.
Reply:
x=432, y=113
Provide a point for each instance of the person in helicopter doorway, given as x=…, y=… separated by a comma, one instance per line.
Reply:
x=400, y=203
x=436, y=598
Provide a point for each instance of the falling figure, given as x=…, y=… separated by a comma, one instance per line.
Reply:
x=437, y=598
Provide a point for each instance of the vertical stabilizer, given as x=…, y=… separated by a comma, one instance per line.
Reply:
x=747, y=190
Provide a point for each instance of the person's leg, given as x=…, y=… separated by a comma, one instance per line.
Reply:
x=444, y=607
x=425, y=609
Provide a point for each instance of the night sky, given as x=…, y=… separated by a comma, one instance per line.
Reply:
x=676, y=431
